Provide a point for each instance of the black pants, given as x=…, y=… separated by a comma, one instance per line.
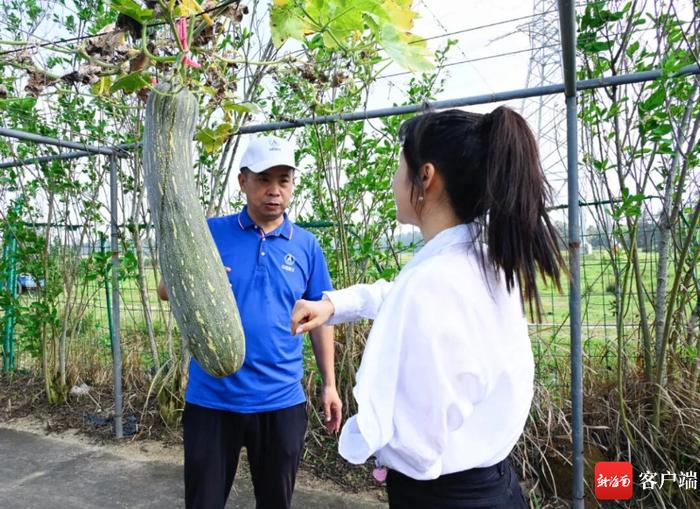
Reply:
x=494, y=487
x=213, y=441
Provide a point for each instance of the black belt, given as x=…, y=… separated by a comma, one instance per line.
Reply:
x=471, y=476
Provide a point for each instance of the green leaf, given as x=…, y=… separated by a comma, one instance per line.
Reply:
x=213, y=139
x=211, y=91
x=340, y=19
x=399, y=13
x=632, y=49
x=610, y=16
x=18, y=104
x=406, y=49
x=132, y=9
x=665, y=148
x=102, y=87
x=662, y=130
x=654, y=100
x=600, y=165
x=613, y=111
x=245, y=107
x=674, y=61
x=131, y=82
x=597, y=46
x=286, y=22
x=340, y=22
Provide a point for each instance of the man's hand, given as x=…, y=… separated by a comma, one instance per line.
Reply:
x=332, y=408
x=307, y=315
x=162, y=291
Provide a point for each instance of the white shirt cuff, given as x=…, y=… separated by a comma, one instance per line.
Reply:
x=344, y=305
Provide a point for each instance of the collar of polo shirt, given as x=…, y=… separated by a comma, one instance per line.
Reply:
x=286, y=229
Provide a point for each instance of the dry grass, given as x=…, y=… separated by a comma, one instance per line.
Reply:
x=543, y=455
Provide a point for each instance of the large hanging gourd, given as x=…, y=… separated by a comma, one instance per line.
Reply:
x=198, y=288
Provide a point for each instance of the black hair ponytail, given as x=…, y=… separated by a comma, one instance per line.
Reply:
x=492, y=172
x=521, y=238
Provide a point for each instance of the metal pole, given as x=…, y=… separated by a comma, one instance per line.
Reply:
x=575, y=306
x=9, y=254
x=8, y=350
x=624, y=79
x=60, y=157
x=108, y=300
x=12, y=318
x=567, y=20
x=37, y=138
x=473, y=100
x=116, y=346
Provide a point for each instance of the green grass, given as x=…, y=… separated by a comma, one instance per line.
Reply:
x=597, y=292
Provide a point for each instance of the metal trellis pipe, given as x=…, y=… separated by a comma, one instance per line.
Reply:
x=567, y=22
x=46, y=140
x=9, y=253
x=62, y=157
x=522, y=93
x=116, y=345
x=108, y=298
x=9, y=257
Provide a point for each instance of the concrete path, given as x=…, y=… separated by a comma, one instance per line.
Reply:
x=42, y=472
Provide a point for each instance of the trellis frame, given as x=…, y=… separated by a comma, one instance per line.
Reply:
x=569, y=88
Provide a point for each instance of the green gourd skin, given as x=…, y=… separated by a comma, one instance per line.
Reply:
x=198, y=288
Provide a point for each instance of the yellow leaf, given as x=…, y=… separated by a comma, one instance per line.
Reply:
x=340, y=21
x=400, y=15
x=187, y=7
x=102, y=87
x=190, y=7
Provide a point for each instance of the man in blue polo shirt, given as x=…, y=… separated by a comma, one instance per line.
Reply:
x=271, y=264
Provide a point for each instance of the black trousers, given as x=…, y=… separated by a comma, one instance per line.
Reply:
x=213, y=441
x=494, y=487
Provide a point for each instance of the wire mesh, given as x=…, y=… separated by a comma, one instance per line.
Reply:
x=83, y=310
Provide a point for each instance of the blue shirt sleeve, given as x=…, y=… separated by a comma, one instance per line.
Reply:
x=319, y=277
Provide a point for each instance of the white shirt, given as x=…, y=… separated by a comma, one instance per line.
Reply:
x=446, y=378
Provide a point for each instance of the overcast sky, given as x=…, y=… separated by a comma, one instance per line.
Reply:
x=438, y=17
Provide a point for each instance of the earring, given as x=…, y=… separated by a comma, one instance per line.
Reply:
x=420, y=198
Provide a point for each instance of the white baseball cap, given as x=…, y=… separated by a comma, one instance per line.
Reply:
x=266, y=152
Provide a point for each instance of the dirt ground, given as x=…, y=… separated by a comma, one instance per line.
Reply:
x=85, y=420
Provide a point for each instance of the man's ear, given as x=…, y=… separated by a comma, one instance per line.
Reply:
x=241, y=180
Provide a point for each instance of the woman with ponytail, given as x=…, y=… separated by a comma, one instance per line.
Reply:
x=446, y=379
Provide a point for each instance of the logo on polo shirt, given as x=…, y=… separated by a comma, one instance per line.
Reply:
x=288, y=263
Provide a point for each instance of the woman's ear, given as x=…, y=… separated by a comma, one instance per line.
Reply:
x=428, y=175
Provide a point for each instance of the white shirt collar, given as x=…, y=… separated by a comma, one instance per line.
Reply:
x=459, y=234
